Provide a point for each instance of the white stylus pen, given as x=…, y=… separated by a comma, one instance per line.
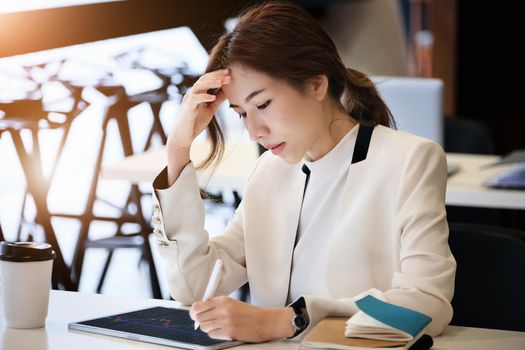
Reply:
x=212, y=284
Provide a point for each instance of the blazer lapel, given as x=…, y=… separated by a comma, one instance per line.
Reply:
x=270, y=234
x=360, y=154
x=290, y=213
x=288, y=230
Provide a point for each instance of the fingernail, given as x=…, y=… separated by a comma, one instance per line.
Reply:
x=224, y=338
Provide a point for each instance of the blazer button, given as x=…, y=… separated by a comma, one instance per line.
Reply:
x=156, y=220
x=156, y=207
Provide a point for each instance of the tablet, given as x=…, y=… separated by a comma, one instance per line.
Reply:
x=158, y=325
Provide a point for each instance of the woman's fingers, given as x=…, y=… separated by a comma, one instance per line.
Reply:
x=219, y=334
x=217, y=329
x=213, y=101
x=212, y=80
x=209, y=324
x=197, y=109
x=215, y=325
x=217, y=317
x=220, y=98
x=195, y=100
x=207, y=85
x=208, y=90
x=200, y=308
x=204, y=311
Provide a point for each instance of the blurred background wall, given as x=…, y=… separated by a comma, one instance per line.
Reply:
x=475, y=47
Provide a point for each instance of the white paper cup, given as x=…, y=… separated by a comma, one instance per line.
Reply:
x=26, y=282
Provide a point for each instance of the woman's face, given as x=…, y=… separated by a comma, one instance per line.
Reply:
x=284, y=120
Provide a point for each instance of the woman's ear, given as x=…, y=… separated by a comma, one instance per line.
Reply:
x=318, y=87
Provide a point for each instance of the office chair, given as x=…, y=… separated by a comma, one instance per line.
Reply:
x=470, y=136
x=467, y=136
x=490, y=277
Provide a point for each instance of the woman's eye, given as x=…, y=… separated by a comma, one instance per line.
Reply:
x=264, y=105
x=260, y=107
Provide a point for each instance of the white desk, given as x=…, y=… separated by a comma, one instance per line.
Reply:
x=464, y=188
x=65, y=307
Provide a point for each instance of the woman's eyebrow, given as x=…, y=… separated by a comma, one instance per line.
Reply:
x=249, y=97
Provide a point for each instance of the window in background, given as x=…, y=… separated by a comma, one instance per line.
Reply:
x=7, y=6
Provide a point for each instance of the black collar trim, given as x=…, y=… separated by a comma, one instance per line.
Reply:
x=362, y=143
x=364, y=135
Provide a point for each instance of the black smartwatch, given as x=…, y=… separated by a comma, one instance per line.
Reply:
x=300, y=321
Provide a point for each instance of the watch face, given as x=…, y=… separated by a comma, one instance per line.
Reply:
x=300, y=322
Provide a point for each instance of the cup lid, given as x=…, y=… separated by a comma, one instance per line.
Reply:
x=26, y=251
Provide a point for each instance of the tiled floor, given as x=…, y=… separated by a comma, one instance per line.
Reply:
x=69, y=191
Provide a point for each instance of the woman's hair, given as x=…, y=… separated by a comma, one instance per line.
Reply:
x=287, y=43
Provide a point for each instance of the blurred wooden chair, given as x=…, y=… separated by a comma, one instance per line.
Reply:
x=119, y=104
x=117, y=110
x=33, y=115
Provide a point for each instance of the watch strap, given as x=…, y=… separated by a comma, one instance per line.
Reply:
x=299, y=308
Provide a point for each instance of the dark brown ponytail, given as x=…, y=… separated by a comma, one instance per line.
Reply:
x=362, y=101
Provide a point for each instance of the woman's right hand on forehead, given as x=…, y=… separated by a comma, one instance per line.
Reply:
x=198, y=108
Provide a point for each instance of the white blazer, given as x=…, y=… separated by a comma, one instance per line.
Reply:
x=391, y=237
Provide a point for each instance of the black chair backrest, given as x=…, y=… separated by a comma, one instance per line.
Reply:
x=467, y=136
x=490, y=278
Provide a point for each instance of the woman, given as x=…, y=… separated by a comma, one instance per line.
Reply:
x=341, y=206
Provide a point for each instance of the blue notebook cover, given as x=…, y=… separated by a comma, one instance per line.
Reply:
x=407, y=320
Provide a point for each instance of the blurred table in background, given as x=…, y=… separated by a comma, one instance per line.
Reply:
x=238, y=161
x=466, y=187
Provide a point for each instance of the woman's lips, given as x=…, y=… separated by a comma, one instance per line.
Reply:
x=276, y=149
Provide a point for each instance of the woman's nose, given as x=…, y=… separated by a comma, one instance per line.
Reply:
x=256, y=128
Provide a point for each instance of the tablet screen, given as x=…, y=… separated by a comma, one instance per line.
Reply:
x=161, y=325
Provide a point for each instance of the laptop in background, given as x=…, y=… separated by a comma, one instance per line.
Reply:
x=417, y=107
x=415, y=103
